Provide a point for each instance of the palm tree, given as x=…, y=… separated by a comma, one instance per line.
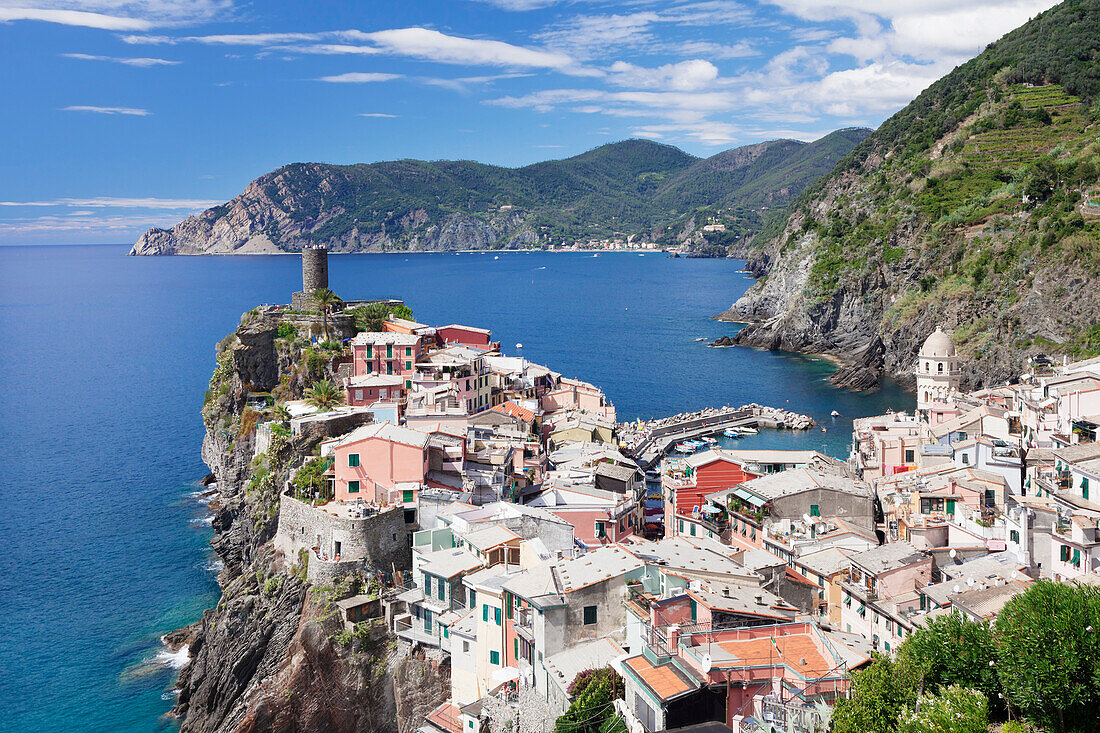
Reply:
x=325, y=300
x=324, y=395
x=280, y=414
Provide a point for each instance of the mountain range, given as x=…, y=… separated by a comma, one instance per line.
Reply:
x=634, y=187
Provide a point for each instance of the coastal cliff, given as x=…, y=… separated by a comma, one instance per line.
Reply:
x=631, y=188
x=972, y=209
x=273, y=654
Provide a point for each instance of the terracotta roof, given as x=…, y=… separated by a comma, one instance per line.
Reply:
x=796, y=651
x=663, y=681
x=446, y=717
x=511, y=408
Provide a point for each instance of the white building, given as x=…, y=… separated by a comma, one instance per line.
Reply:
x=937, y=370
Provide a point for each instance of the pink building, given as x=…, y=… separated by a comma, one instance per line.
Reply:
x=385, y=353
x=465, y=335
x=598, y=517
x=575, y=394
x=367, y=389
x=380, y=463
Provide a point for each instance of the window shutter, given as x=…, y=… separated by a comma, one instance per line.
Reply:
x=485, y=613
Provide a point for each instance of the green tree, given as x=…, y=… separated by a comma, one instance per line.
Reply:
x=324, y=395
x=1048, y=654
x=952, y=650
x=878, y=694
x=311, y=479
x=326, y=301
x=371, y=316
x=593, y=692
x=955, y=710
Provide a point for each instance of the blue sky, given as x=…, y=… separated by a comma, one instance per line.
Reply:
x=119, y=115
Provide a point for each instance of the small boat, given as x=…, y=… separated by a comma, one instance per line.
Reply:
x=495, y=257
x=700, y=339
x=749, y=431
x=732, y=432
x=684, y=448
x=710, y=440
x=834, y=413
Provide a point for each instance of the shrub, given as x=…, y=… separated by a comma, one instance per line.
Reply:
x=286, y=331
x=956, y=710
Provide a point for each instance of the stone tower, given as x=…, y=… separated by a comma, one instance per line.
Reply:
x=314, y=267
x=937, y=370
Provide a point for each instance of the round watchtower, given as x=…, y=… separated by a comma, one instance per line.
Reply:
x=314, y=268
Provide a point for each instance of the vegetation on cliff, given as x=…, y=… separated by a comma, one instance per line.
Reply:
x=631, y=187
x=975, y=206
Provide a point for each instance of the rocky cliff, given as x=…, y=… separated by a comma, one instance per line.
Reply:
x=272, y=655
x=635, y=187
x=972, y=208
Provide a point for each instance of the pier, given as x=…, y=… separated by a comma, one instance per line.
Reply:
x=671, y=431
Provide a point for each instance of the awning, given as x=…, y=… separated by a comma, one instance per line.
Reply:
x=750, y=498
x=710, y=509
x=505, y=674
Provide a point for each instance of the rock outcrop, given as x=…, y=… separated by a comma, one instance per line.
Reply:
x=273, y=655
x=964, y=210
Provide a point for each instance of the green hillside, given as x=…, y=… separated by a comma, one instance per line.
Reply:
x=633, y=187
x=970, y=207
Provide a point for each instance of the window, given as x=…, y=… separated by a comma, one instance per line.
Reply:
x=446, y=633
x=694, y=610
x=408, y=351
x=515, y=648
x=1084, y=487
x=951, y=503
x=408, y=365
x=1065, y=553
x=370, y=367
x=601, y=530
x=645, y=714
x=353, y=487
x=1076, y=557
x=494, y=658
x=939, y=368
x=370, y=351
x=1014, y=536
x=681, y=526
x=473, y=598
x=589, y=615
x=496, y=615
x=966, y=459
x=389, y=351
x=465, y=647
x=353, y=460
x=691, y=529
x=442, y=590
x=427, y=585
x=389, y=367
x=407, y=495
x=485, y=612
x=909, y=456
x=814, y=510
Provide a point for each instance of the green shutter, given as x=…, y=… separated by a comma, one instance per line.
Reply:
x=407, y=495
x=496, y=615
x=515, y=647
x=494, y=658
x=694, y=610
x=814, y=511
x=951, y=507
x=1076, y=557
x=473, y=598
x=485, y=613
x=353, y=460
x=353, y=487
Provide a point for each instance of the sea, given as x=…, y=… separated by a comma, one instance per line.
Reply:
x=104, y=359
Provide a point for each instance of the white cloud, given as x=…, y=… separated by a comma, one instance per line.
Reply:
x=359, y=77
x=77, y=18
x=684, y=76
x=121, y=202
x=140, y=62
x=376, y=114
x=113, y=15
x=132, y=111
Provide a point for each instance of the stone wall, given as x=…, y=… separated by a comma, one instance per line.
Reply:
x=376, y=543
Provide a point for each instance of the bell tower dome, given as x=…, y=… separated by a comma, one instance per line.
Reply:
x=937, y=370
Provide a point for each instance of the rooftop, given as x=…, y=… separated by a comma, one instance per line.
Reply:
x=890, y=556
x=486, y=538
x=385, y=337
x=564, y=667
x=449, y=563
x=794, y=481
x=666, y=681
x=595, y=567
x=386, y=431
x=1078, y=453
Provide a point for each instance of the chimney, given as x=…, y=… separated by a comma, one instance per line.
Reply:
x=726, y=592
x=760, y=599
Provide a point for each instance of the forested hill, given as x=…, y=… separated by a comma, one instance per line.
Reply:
x=977, y=207
x=634, y=187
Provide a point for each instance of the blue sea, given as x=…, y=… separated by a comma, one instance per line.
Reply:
x=104, y=359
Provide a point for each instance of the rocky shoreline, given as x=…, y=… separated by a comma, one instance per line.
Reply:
x=270, y=655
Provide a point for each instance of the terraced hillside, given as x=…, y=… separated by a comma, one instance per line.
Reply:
x=970, y=208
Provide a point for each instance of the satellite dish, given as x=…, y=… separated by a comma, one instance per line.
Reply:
x=970, y=582
x=957, y=589
x=519, y=346
x=952, y=554
x=807, y=519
